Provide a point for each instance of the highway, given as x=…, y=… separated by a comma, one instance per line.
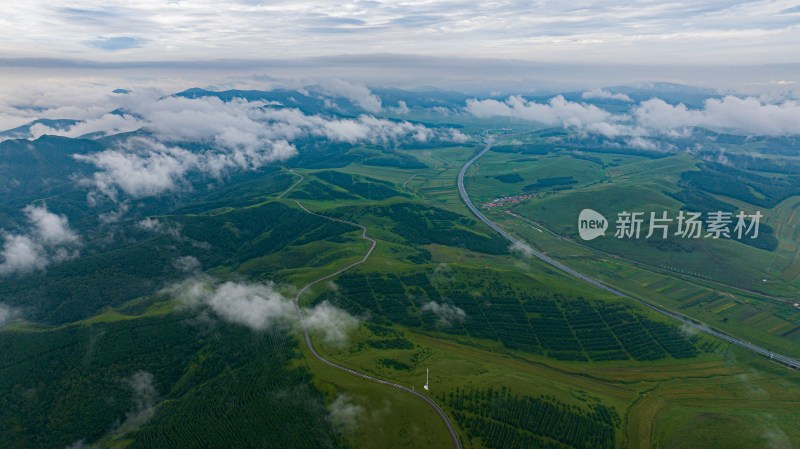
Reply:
x=450, y=428
x=690, y=322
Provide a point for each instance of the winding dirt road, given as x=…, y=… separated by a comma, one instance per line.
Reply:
x=436, y=408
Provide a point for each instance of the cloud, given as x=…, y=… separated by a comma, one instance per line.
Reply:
x=8, y=314
x=521, y=249
x=333, y=322
x=257, y=306
x=448, y=314
x=144, y=400
x=604, y=95
x=115, y=215
x=47, y=240
x=51, y=229
x=232, y=135
x=402, y=108
x=149, y=224
x=651, y=118
x=107, y=124
x=261, y=307
x=116, y=43
x=557, y=111
x=156, y=225
x=140, y=167
x=356, y=93
x=740, y=115
x=456, y=136
x=345, y=414
x=688, y=331
x=653, y=32
x=186, y=264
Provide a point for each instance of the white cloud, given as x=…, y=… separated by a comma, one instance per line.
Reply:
x=448, y=314
x=345, y=414
x=84, y=98
x=47, y=240
x=261, y=307
x=651, y=118
x=186, y=264
x=106, y=124
x=456, y=136
x=149, y=224
x=641, y=143
x=140, y=167
x=21, y=254
x=333, y=322
x=402, y=108
x=257, y=306
x=557, y=112
x=604, y=95
x=521, y=249
x=52, y=229
x=234, y=135
x=115, y=215
x=740, y=115
x=144, y=398
x=356, y=93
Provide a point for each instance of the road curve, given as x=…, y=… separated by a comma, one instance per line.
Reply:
x=450, y=428
x=293, y=185
x=690, y=322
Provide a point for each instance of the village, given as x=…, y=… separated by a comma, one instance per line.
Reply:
x=504, y=200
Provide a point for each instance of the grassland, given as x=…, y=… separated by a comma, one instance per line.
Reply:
x=709, y=396
x=693, y=277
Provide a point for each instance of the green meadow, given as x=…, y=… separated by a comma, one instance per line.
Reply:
x=510, y=342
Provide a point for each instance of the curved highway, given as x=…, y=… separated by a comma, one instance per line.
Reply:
x=450, y=428
x=696, y=324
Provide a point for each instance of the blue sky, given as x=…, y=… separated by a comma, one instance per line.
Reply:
x=616, y=32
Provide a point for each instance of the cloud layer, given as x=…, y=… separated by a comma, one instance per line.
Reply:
x=214, y=137
x=653, y=117
x=48, y=239
x=594, y=30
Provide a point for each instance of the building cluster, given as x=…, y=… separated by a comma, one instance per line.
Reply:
x=506, y=201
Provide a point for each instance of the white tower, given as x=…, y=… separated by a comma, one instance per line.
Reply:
x=426, y=380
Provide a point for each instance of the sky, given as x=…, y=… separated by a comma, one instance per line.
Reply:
x=618, y=32
x=64, y=55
